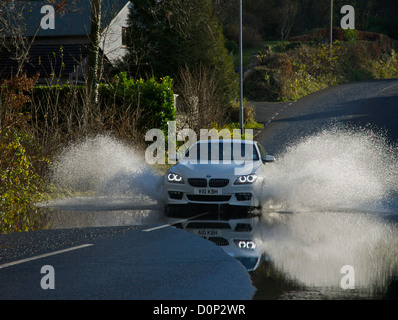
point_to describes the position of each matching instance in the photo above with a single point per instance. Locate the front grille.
(208, 198)
(197, 182)
(219, 241)
(218, 183)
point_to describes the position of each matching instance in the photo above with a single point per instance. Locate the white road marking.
(43, 256)
(168, 224)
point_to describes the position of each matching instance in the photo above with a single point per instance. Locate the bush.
(20, 185)
(350, 35)
(57, 111)
(126, 107)
(271, 79)
(248, 112)
(153, 101)
(232, 46)
(291, 72)
(14, 94)
(386, 66)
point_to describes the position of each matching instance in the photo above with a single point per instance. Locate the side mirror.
(269, 158)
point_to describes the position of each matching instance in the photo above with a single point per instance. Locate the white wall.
(111, 37)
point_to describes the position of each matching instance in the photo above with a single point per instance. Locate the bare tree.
(288, 13)
(200, 103)
(14, 35)
(93, 58)
(12, 30)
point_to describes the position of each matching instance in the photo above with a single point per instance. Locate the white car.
(225, 172)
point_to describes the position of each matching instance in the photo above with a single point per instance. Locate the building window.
(124, 36)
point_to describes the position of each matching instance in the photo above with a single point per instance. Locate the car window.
(263, 153)
(222, 151)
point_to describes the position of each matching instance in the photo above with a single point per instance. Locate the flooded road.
(289, 255)
(328, 226)
(101, 211)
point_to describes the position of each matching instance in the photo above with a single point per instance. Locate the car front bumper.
(236, 195)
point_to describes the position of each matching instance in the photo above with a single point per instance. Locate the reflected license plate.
(207, 232)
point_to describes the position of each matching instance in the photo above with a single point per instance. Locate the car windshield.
(221, 151)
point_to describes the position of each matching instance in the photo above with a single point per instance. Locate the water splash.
(336, 168)
(336, 185)
(108, 167)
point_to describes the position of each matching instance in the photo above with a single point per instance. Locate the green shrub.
(20, 185)
(125, 105)
(350, 35)
(386, 66)
(314, 68)
(152, 100)
(248, 112)
(271, 79)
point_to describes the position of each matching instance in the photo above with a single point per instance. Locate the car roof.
(227, 141)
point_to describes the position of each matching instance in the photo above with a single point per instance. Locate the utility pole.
(241, 66)
(331, 23)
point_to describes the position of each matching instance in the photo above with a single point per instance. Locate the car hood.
(215, 170)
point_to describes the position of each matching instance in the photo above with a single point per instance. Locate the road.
(139, 262)
(120, 263)
(361, 103)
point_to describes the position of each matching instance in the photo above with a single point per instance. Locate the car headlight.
(175, 178)
(245, 244)
(246, 179)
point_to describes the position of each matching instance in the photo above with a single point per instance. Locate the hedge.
(150, 101)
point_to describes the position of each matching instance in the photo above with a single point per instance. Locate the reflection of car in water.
(221, 172)
(235, 236)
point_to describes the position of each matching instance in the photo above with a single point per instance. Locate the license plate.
(205, 191)
(207, 232)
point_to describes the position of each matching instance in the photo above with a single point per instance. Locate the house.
(61, 32)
